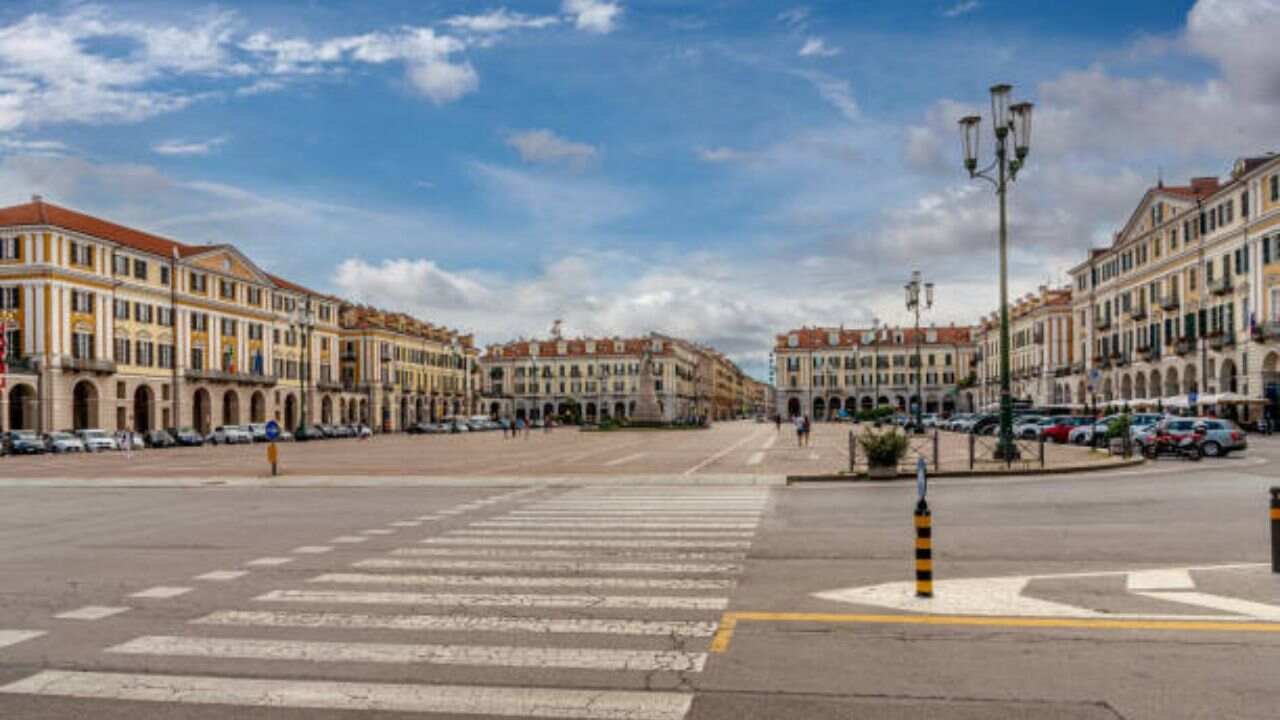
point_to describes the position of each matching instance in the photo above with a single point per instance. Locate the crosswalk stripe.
(634, 602)
(349, 539)
(329, 695)
(549, 566)
(222, 575)
(377, 531)
(606, 533)
(91, 612)
(312, 549)
(625, 459)
(527, 581)
(589, 542)
(161, 592)
(461, 623)
(656, 506)
(623, 524)
(426, 654)
(406, 523)
(270, 561)
(518, 552)
(13, 637)
(647, 513)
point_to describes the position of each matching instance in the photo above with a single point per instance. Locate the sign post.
(273, 453)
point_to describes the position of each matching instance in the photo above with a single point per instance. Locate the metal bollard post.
(935, 449)
(924, 550)
(853, 452)
(1275, 529)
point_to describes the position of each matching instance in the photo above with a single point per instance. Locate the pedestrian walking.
(807, 426)
(777, 422)
(798, 421)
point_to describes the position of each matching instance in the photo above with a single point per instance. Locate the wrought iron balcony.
(16, 364)
(1222, 340)
(1062, 371)
(1267, 331)
(1169, 302)
(1220, 285)
(1102, 322)
(92, 365)
(1150, 353)
(329, 385)
(1138, 312)
(1184, 346)
(222, 376)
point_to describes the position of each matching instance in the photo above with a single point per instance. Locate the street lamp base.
(1007, 452)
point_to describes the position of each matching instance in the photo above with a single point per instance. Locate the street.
(600, 600)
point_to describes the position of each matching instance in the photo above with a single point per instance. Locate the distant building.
(822, 371)
(1041, 345)
(596, 378)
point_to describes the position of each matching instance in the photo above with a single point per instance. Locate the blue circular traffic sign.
(273, 430)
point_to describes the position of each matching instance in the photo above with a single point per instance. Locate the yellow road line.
(729, 622)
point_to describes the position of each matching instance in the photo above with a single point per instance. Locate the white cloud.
(500, 20)
(443, 82)
(961, 8)
(405, 283)
(817, 47)
(187, 147)
(795, 17)
(544, 146)
(20, 145)
(595, 16)
(555, 201)
(835, 91)
(721, 154)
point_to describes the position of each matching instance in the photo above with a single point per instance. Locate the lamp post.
(875, 362)
(1011, 123)
(913, 304)
(303, 320)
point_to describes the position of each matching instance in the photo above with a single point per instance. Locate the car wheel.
(1212, 449)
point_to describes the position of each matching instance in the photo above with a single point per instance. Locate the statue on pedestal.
(647, 410)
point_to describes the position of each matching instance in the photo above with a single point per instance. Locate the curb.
(1065, 470)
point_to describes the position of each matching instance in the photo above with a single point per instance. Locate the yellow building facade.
(111, 327)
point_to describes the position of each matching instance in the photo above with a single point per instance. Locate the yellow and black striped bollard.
(1275, 529)
(924, 550)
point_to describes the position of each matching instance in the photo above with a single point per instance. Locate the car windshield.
(61, 436)
(94, 434)
(24, 435)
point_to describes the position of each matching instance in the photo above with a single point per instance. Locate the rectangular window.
(9, 248)
(1275, 188)
(144, 355)
(140, 269)
(227, 289)
(82, 346)
(199, 283)
(81, 254)
(122, 309)
(165, 353)
(119, 265)
(197, 358)
(122, 350)
(164, 275)
(228, 326)
(255, 296)
(1191, 279)
(200, 322)
(12, 342)
(81, 301)
(10, 298)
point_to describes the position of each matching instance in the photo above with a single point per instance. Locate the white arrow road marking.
(13, 637)
(1175, 579)
(1003, 596)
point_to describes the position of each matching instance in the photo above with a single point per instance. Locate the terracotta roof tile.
(39, 212)
(817, 337)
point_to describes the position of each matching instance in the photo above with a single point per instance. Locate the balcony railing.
(222, 376)
(1077, 368)
(15, 364)
(1222, 340)
(1062, 371)
(1220, 285)
(1102, 322)
(1169, 302)
(1267, 331)
(1150, 353)
(88, 365)
(1138, 312)
(1037, 337)
(329, 385)
(1184, 346)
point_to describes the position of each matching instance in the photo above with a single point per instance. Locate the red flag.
(4, 352)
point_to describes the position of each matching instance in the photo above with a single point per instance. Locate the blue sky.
(717, 170)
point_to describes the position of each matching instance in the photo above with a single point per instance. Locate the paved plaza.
(1057, 597)
(741, 449)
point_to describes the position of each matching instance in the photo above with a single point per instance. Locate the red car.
(1059, 431)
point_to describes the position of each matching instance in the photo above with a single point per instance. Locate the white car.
(63, 442)
(97, 440)
(230, 435)
(1083, 435)
(1027, 426)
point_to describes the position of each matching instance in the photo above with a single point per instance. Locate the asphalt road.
(585, 601)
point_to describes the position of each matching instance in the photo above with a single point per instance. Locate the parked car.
(186, 437)
(1083, 435)
(63, 442)
(362, 431)
(258, 431)
(159, 439)
(1060, 430)
(985, 425)
(1027, 426)
(230, 435)
(96, 440)
(308, 433)
(23, 442)
(1221, 437)
(131, 441)
(343, 431)
(420, 428)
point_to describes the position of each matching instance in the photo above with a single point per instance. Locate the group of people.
(802, 425)
(515, 428)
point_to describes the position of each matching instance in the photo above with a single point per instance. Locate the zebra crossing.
(590, 603)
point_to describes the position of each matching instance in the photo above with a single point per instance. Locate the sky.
(719, 170)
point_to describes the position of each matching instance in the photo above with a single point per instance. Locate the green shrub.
(1118, 428)
(883, 448)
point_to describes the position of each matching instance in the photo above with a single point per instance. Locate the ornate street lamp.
(1011, 122)
(914, 304)
(303, 320)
